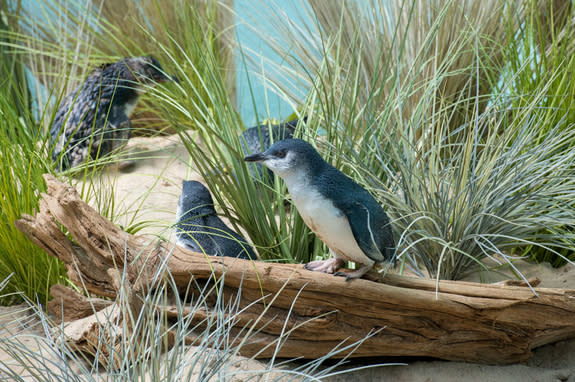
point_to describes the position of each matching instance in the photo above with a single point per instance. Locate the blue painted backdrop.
(267, 103)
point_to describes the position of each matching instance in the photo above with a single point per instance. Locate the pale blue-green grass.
(137, 348)
(410, 100)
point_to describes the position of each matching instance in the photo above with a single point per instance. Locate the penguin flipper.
(370, 233)
(114, 135)
(119, 128)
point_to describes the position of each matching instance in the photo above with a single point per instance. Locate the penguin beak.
(260, 157)
(166, 78)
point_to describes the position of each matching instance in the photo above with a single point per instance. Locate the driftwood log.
(492, 324)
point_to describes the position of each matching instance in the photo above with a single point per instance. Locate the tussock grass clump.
(489, 197)
(411, 99)
(22, 163)
(21, 169)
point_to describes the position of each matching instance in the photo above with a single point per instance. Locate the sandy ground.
(151, 191)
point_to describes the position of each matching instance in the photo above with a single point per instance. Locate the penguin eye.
(281, 154)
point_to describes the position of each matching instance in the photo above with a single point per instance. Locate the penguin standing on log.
(344, 215)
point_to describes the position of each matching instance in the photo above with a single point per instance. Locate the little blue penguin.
(199, 228)
(94, 119)
(259, 138)
(344, 215)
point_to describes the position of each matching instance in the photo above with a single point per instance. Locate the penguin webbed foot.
(325, 266)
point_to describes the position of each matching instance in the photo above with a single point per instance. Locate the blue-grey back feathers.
(199, 228)
(368, 221)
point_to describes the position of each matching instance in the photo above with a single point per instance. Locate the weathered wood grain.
(492, 324)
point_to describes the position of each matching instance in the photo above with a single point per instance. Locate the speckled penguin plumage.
(94, 120)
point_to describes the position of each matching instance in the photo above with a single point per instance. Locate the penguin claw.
(343, 274)
(357, 274)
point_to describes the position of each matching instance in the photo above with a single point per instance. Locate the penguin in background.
(259, 138)
(199, 228)
(94, 119)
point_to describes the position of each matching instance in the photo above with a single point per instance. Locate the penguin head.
(145, 70)
(289, 156)
(148, 70)
(195, 199)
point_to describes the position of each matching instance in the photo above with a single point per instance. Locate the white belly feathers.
(328, 223)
